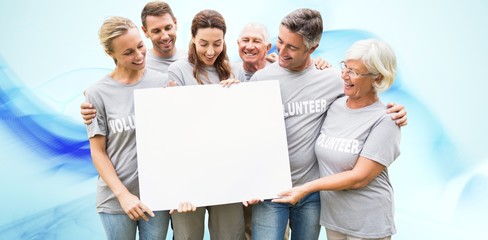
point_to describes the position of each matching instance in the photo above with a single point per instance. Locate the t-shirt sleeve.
(238, 72)
(175, 74)
(164, 79)
(383, 142)
(99, 123)
(241, 76)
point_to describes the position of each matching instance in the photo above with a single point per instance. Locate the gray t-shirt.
(115, 120)
(181, 72)
(306, 96)
(156, 63)
(345, 135)
(238, 68)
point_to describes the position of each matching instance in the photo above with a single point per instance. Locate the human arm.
(252, 201)
(88, 112)
(229, 82)
(184, 207)
(400, 116)
(272, 57)
(375, 151)
(131, 204)
(321, 63)
(363, 172)
(176, 73)
(171, 83)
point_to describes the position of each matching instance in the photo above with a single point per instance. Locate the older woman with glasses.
(357, 143)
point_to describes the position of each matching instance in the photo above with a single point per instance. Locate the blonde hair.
(112, 28)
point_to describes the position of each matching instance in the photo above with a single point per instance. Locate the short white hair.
(260, 27)
(378, 57)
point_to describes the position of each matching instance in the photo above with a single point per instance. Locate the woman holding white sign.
(112, 135)
(207, 63)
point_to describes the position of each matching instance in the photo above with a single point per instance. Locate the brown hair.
(209, 19)
(155, 8)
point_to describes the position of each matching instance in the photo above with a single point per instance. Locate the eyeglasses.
(351, 73)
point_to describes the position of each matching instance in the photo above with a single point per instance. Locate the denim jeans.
(120, 227)
(269, 219)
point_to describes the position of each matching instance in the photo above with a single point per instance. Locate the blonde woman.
(112, 135)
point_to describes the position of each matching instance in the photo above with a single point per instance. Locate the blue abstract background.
(49, 53)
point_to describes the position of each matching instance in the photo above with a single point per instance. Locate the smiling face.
(359, 88)
(162, 32)
(129, 50)
(252, 46)
(209, 43)
(292, 52)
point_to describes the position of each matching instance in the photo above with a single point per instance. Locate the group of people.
(338, 163)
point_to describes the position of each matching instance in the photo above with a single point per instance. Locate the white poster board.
(211, 145)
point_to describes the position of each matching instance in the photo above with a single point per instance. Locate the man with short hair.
(253, 46)
(160, 25)
(306, 94)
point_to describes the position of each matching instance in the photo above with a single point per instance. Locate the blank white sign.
(211, 145)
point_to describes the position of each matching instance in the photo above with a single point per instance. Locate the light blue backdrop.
(49, 53)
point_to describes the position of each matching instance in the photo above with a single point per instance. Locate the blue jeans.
(120, 227)
(269, 219)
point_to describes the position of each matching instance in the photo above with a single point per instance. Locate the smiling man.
(307, 92)
(160, 25)
(300, 83)
(253, 45)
